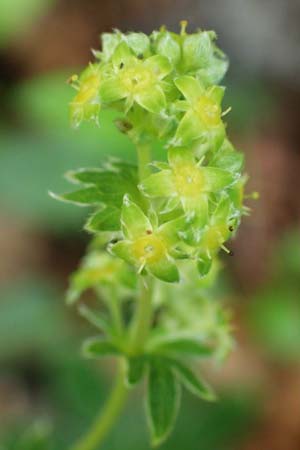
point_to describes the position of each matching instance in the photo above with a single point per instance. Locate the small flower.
(99, 269)
(215, 233)
(187, 182)
(202, 108)
(86, 104)
(148, 246)
(136, 80)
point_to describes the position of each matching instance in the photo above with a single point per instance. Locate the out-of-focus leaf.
(99, 347)
(17, 15)
(163, 398)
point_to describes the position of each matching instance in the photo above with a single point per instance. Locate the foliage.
(158, 225)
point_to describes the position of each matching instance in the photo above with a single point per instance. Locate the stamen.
(183, 25)
(224, 113)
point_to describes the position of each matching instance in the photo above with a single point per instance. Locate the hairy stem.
(143, 316)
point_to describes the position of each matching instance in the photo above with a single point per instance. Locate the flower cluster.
(158, 225)
(165, 87)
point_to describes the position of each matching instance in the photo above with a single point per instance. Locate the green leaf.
(83, 197)
(107, 219)
(183, 345)
(193, 383)
(135, 370)
(163, 400)
(98, 347)
(106, 181)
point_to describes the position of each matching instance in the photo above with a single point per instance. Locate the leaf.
(182, 345)
(107, 181)
(135, 370)
(83, 197)
(192, 382)
(163, 400)
(98, 347)
(107, 219)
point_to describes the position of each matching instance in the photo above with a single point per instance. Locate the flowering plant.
(158, 225)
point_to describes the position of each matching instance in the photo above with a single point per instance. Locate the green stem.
(107, 417)
(140, 327)
(144, 158)
(143, 316)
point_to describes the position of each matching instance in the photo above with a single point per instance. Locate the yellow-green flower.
(86, 104)
(185, 181)
(136, 80)
(146, 245)
(202, 110)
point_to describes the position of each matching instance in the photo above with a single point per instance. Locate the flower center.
(208, 111)
(149, 248)
(189, 180)
(137, 78)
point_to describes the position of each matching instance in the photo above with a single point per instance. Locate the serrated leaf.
(135, 370)
(182, 345)
(83, 197)
(99, 347)
(193, 383)
(107, 219)
(163, 400)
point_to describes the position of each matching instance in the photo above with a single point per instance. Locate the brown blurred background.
(41, 43)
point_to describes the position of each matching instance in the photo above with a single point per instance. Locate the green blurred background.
(48, 394)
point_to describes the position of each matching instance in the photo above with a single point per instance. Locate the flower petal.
(197, 209)
(169, 230)
(158, 185)
(180, 155)
(217, 179)
(190, 128)
(189, 87)
(122, 55)
(122, 249)
(112, 90)
(165, 270)
(159, 64)
(139, 43)
(152, 99)
(133, 220)
(216, 93)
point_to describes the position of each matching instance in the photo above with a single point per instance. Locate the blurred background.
(45, 386)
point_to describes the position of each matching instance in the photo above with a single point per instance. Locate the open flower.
(185, 181)
(136, 80)
(202, 107)
(216, 232)
(86, 104)
(146, 246)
